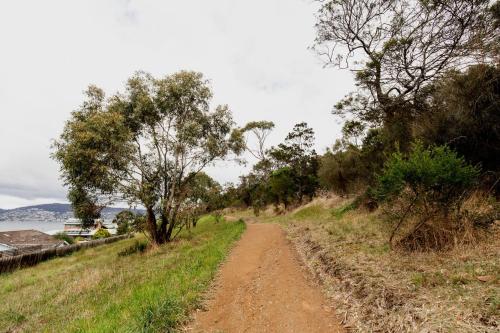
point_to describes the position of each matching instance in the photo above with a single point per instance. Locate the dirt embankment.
(262, 288)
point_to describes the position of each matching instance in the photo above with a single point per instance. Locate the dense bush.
(341, 171)
(101, 233)
(464, 113)
(282, 186)
(425, 191)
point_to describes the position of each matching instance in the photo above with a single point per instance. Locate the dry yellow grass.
(376, 289)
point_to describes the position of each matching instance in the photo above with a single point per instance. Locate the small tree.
(297, 154)
(260, 131)
(124, 220)
(424, 192)
(282, 186)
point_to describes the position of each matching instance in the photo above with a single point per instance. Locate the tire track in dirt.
(261, 288)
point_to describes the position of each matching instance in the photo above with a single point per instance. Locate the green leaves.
(437, 170)
(143, 145)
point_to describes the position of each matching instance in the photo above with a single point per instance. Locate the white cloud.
(254, 52)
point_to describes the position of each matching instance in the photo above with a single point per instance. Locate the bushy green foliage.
(282, 186)
(143, 146)
(101, 233)
(424, 192)
(298, 162)
(287, 174)
(65, 237)
(437, 173)
(341, 171)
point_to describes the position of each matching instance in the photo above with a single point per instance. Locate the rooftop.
(22, 238)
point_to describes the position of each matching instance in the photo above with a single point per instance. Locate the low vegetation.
(101, 233)
(64, 237)
(102, 290)
(378, 289)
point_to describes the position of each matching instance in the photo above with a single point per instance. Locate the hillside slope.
(378, 289)
(99, 290)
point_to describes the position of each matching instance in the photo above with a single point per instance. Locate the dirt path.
(261, 288)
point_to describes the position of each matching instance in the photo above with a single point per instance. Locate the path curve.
(261, 288)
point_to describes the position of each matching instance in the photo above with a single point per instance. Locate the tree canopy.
(145, 145)
(397, 47)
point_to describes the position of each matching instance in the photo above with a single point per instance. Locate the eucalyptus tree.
(398, 47)
(260, 130)
(144, 145)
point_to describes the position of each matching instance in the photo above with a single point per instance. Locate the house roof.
(23, 238)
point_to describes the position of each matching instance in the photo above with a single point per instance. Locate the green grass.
(339, 212)
(310, 212)
(97, 290)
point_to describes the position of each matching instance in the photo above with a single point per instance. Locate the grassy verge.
(98, 290)
(377, 289)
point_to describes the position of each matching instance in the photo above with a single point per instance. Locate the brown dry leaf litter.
(262, 288)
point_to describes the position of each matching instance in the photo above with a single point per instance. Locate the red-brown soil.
(262, 288)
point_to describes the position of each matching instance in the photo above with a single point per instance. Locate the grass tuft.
(339, 212)
(137, 247)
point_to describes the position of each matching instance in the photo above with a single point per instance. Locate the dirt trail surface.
(261, 288)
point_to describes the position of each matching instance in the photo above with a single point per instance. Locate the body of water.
(35, 225)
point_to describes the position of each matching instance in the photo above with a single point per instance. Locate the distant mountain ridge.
(51, 212)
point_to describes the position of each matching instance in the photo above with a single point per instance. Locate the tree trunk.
(151, 225)
(163, 229)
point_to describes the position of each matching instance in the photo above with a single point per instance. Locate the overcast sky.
(254, 52)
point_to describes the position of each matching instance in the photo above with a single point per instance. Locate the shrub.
(101, 233)
(65, 237)
(425, 190)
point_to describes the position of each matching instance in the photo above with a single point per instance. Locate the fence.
(9, 264)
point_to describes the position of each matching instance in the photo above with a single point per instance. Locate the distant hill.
(50, 212)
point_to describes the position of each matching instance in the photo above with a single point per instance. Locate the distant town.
(49, 213)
